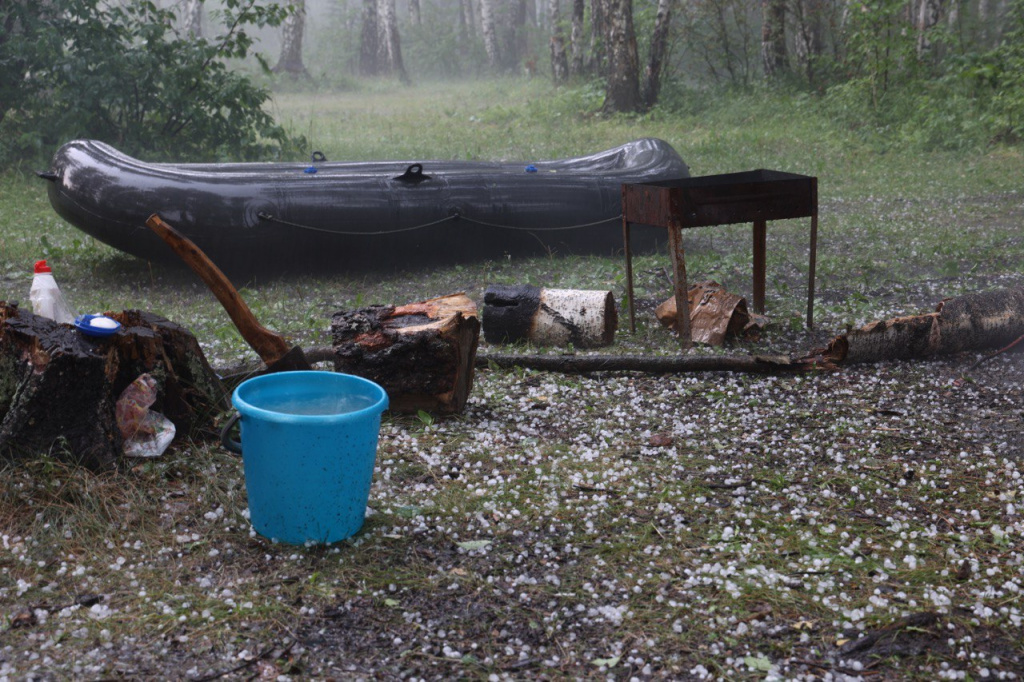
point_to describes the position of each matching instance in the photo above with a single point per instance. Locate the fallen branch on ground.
(1002, 350)
(581, 364)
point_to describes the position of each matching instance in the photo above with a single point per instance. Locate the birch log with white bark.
(549, 317)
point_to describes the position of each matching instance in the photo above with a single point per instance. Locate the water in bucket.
(308, 446)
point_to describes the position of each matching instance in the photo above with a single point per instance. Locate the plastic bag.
(146, 433)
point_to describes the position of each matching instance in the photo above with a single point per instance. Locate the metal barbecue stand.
(752, 196)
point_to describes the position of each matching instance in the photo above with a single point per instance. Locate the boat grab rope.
(268, 217)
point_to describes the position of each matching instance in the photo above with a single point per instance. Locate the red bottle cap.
(42, 267)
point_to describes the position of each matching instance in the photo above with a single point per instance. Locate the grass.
(863, 522)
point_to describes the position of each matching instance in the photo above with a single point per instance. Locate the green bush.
(895, 97)
(121, 73)
(995, 80)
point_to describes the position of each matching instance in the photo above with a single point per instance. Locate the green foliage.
(879, 67)
(880, 48)
(995, 80)
(720, 41)
(435, 48)
(121, 73)
(894, 97)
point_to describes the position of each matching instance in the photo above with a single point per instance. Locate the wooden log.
(549, 317)
(59, 387)
(978, 321)
(422, 353)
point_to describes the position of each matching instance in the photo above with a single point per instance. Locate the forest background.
(191, 79)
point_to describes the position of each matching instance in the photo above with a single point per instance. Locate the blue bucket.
(308, 446)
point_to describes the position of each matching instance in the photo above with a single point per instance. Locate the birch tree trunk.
(415, 16)
(390, 42)
(927, 18)
(773, 37)
(193, 17)
(659, 42)
(467, 9)
(808, 43)
(622, 90)
(576, 38)
(598, 36)
(559, 63)
(369, 44)
(985, 32)
(489, 35)
(517, 35)
(292, 30)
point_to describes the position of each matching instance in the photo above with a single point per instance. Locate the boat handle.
(414, 173)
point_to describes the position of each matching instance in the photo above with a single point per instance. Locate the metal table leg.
(760, 258)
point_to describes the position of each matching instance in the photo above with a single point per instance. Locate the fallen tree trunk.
(59, 387)
(422, 354)
(990, 319)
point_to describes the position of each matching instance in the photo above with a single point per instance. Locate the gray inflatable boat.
(358, 215)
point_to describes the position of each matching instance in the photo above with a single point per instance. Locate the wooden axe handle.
(268, 344)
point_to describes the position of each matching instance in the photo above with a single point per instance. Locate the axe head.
(293, 360)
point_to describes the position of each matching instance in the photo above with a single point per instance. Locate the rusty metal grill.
(752, 196)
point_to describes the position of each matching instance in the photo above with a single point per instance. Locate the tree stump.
(58, 387)
(422, 354)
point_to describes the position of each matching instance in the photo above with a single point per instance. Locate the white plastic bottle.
(47, 301)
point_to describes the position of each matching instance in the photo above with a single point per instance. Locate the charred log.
(422, 354)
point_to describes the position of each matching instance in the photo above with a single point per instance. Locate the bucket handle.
(230, 444)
